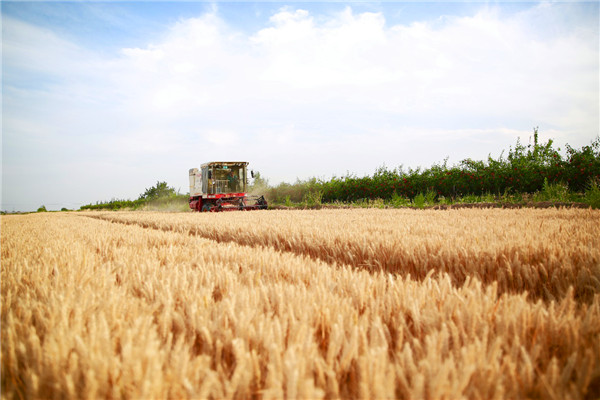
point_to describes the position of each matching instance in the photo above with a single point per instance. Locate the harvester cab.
(222, 186)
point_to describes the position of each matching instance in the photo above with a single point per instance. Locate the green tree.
(42, 209)
(160, 190)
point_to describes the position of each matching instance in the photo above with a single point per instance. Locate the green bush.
(592, 194)
(524, 170)
(399, 201)
(553, 192)
(419, 201)
(159, 196)
(313, 198)
(160, 190)
(115, 204)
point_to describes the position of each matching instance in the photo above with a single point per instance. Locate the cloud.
(306, 94)
(481, 64)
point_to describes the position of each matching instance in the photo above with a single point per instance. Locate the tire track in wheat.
(542, 252)
(92, 309)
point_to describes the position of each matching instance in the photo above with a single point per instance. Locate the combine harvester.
(221, 186)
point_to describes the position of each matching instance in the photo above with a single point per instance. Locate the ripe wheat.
(543, 252)
(96, 309)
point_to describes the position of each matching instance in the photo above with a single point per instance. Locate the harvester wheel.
(206, 207)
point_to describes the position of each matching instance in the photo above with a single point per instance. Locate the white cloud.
(305, 95)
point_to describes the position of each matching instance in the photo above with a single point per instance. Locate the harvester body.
(222, 186)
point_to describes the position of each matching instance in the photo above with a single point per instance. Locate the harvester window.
(226, 179)
(231, 178)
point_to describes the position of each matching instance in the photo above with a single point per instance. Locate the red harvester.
(221, 186)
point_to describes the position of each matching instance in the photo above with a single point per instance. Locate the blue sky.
(100, 100)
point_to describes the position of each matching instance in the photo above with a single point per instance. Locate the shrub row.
(115, 205)
(159, 195)
(524, 171)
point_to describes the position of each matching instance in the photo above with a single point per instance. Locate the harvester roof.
(227, 163)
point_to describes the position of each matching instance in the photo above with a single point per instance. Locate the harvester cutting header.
(222, 186)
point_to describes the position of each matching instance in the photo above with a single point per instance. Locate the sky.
(100, 100)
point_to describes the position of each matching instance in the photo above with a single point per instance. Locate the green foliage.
(445, 200)
(419, 201)
(592, 194)
(115, 204)
(398, 201)
(424, 200)
(430, 197)
(160, 190)
(524, 170)
(553, 192)
(159, 197)
(488, 198)
(42, 209)
(64, 209)
(469, 198)
(313, 198)
(583, 165)
(294, 193)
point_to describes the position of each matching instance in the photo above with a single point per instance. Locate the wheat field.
(301, 304)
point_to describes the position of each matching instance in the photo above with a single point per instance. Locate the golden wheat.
(272, 308)
(543, 252)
